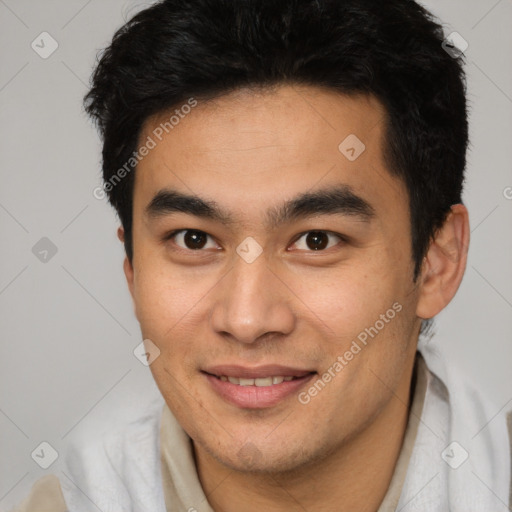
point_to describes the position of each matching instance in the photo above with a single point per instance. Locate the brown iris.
(316, 240)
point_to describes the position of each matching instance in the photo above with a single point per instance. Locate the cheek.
(346, 299)
(163, 296)
(172, 308)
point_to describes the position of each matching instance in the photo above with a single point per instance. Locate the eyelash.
(177, 248)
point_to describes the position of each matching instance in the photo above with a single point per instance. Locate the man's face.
(328, 273)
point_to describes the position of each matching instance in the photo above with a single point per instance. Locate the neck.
(355, 476)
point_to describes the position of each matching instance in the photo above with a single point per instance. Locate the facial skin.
(293, 305)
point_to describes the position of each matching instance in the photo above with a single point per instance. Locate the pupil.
(195, 239)
(316, 240)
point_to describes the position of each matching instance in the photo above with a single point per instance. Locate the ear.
(127, 266)
(444, 264)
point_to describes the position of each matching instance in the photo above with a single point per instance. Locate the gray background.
(67, 324)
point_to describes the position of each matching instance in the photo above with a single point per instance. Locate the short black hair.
(181, 49)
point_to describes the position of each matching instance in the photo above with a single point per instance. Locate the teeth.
(266, 381)
(259, 382)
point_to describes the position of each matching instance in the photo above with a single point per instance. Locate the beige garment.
(45, 496)
(392, 497)
(181, 483)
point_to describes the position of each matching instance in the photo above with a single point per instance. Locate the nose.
(252, 303)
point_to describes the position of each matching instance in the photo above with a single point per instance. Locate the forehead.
(250, 149)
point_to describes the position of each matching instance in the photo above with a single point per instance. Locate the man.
(288, 176)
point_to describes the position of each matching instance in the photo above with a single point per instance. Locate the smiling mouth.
(256, 388)
(262, 382)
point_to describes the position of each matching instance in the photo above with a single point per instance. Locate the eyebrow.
(340, 200)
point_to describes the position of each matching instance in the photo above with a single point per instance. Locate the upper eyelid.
(326, 231)
(172, 234)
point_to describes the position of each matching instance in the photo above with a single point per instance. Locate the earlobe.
(444, 264)
(128, 272)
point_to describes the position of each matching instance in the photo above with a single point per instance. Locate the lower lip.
(256, 397)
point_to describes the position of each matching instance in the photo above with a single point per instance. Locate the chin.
(265, 457)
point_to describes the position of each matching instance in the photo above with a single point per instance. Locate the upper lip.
(255, 372)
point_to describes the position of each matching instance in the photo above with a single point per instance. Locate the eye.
(316, 240)
(191, 239)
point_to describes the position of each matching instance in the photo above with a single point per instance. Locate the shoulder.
(113, 463)
(469, 439)
(119, 466)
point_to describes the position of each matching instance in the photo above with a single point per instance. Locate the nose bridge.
(251, 302)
